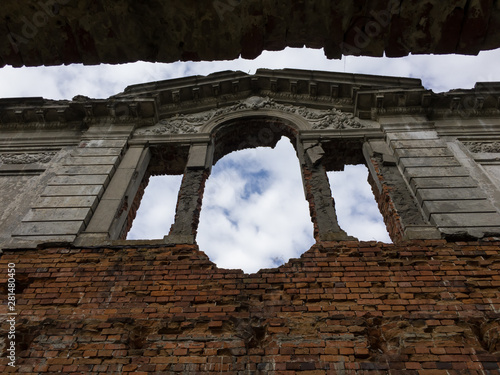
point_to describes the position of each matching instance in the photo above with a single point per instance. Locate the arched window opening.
(250, 132)
(254, 213)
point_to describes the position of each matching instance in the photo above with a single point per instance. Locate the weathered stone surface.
(103, 160)
(462, 206)
(423, 152)
(466, 220)
(26, 158)
(395, 200)
(409, 135)
(417, 232)
(58, 214)
(75, 190)
(167, 31)
(493, 172)
(483, 147)
(49, 228)
(442, 182)
(83, 169)
(18, 194)
(428, 143)
(429, 162)
(104, 215)
(118, 200)
(188, 208)
(468, 232)
(436, 171)
(67, 201)
(198, 157)
(119, 183)
(26, 241)
(98, 179)
(450, 194)
(102, 143)
(96, 151)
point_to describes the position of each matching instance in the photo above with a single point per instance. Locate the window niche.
(153, 208)
(355, 204)
(357, 210)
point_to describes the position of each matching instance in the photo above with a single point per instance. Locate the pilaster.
(189, 201)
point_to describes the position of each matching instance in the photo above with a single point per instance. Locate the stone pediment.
(193, 123)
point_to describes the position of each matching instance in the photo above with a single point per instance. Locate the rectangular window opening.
(156, 212)
(356, 208)
(153, 209)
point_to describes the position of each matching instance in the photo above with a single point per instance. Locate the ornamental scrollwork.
(191, 123)
(26, 158)
(487, 147)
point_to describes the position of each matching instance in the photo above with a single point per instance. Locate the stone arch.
(236, 132)
(295, 121)
(251, 131)
(255, 176)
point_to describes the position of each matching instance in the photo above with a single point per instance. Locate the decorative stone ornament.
(487, 147)
(318, 119)
(26, 158)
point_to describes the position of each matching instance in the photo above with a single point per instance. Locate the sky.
(254, 213)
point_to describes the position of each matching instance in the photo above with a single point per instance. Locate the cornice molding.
(49, 114)
(365, 96)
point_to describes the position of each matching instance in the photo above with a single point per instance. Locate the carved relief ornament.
(487, 147)
(26, 158)
(188, 124)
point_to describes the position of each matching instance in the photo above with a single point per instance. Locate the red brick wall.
(429, 307)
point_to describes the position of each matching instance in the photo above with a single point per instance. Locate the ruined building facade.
(73, 173)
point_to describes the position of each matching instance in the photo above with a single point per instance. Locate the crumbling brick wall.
(422, 307)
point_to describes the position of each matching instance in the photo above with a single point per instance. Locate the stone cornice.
(364, 96)
(319, 89)
(38, 113)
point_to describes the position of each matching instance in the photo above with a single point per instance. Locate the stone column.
(318, 193)
(189, 201)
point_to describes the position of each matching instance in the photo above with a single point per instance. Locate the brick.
(327, 331)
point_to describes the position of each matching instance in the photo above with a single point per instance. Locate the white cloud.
(355, 205)
(440, 73)
(157, 210)
(247, 226)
